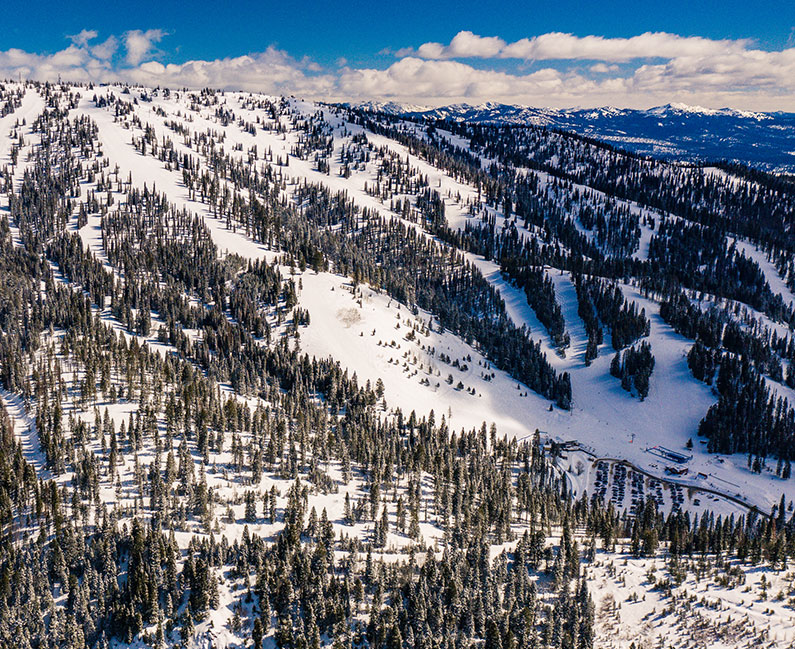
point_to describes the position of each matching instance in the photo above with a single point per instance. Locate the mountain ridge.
(765, 140)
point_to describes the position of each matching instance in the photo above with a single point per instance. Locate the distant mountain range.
(673, 131)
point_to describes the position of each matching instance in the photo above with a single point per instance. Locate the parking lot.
(629, 489)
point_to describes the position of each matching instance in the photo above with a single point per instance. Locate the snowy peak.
(388, 107)
(685, 109)
(671, 131)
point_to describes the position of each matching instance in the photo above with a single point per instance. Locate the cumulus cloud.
(602, 68)
(72, 64)
(642, 71)
(657, 66)
(416, 79)
(465, 44)
(106, 49)
(649, 45)
(560, 46)
(81, 39)
(272, 71)
(754, 81)
(139, 43)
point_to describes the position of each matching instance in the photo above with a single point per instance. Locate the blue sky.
(544, 53)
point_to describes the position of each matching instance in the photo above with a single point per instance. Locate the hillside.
(284, 373)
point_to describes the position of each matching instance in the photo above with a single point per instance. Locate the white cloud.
(602, 68)
(106, 49)
(81, 39)
(435, 81)
(758, 81)
(272, 71)
(560, 46)
(139, 44)
(557, 45)
(465, 44)
(713, 72)
(72, 64)
(696, 71)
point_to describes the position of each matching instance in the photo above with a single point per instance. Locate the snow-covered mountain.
(276, 373)
(673, 131)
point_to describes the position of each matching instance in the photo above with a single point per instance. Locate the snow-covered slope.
(291, 350)
(604, 418)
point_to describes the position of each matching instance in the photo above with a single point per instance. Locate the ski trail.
(117, 144)
(566, 296)
(25, 430)
(776, 282)
(32, 104)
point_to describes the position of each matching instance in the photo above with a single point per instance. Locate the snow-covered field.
(635, 606)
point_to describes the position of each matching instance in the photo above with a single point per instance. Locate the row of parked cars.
(619, 479)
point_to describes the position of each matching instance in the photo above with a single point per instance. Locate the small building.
(673, 470)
